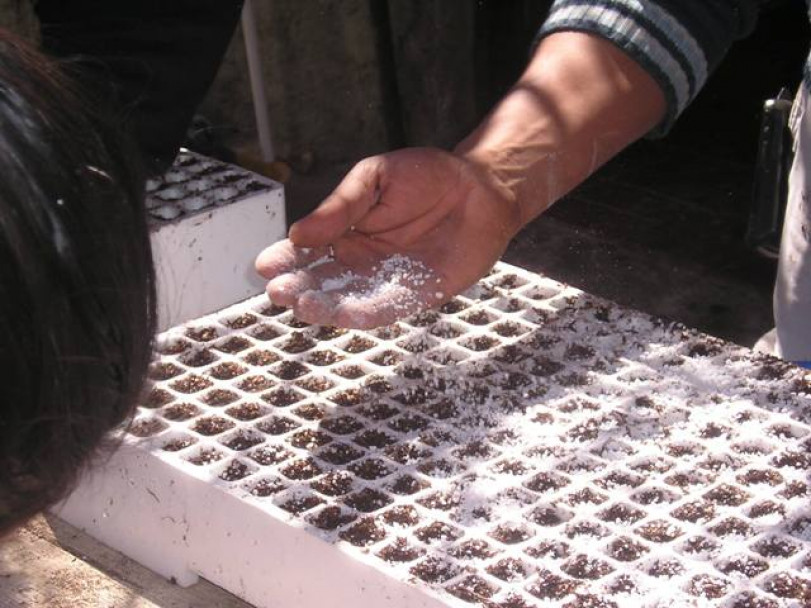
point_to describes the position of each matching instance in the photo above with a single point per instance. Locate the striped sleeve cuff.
(675, 42)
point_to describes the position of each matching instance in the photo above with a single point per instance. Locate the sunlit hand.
(403, 232)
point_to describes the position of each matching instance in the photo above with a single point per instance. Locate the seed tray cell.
(526, 445)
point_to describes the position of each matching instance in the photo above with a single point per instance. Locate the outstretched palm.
(403, 232)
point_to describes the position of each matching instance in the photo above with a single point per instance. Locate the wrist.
(494, 189)
(515, 149)
(579, 102)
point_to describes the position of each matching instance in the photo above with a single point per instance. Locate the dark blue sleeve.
(678, 42)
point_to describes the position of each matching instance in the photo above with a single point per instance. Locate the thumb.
(349, 202)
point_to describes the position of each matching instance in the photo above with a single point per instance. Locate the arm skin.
(579, 102)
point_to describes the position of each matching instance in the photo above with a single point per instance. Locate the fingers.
(349, 202)
(286, 288)
(336, 308)
(283, 256)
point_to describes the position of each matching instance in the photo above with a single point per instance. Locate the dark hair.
(76, 281)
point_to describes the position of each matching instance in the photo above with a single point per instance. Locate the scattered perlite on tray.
(527, 445)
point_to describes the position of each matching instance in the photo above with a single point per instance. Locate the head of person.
(76, 281)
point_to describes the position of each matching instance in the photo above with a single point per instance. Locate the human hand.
(404, 231)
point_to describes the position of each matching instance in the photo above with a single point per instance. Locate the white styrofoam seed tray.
(208, 221)
(529, 445)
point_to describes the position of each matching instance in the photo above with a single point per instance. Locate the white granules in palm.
(397, 282)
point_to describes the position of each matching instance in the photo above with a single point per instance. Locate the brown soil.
(219, 397)
(732, 526)
(324, 357)
(309, 411)
(212, 425)
(315, 384)
(434, 570)
(695, 511)
(399, 552)
(700, 544)
(289, 370)
(350, 372)
(625, 549)
(206, 456)
(437, 532)
(342, 425)
(402, 516)
(227, 370)
(164, 371)
(309, 439)
(370, 469)
(334, 483)
(358, 344)
(277, 425)
(339, 454)
(146, 427)
(349, 397)
(300, 504)
(198, 358)
(282, 397)
(363, 533)
(264, 333)
(546, 481)
(202, 334)
(406, 485)
(254, 384)
(510, 534)
(270, 455)
(191, 383)
(387, 358)
(175, 445)
(552, 586)
(367, 500)
(372, 438)
(236, 470)
(261, 358)
(267, 487)
(747, 565)
(331, 518)
(659, 531)
(243, 440)
(246, 411)
(472, 588)
(585, 567)
(234, 344)
(301, 469)
(242, 321)
(666, 568)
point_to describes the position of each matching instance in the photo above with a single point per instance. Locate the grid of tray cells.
(195, 183)
(526, 445)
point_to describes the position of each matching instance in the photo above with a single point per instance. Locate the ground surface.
(52, 564)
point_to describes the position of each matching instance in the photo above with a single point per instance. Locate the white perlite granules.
(399, 284)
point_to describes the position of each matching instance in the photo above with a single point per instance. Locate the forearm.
(579, 102)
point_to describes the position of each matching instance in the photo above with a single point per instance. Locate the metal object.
(770, 192)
